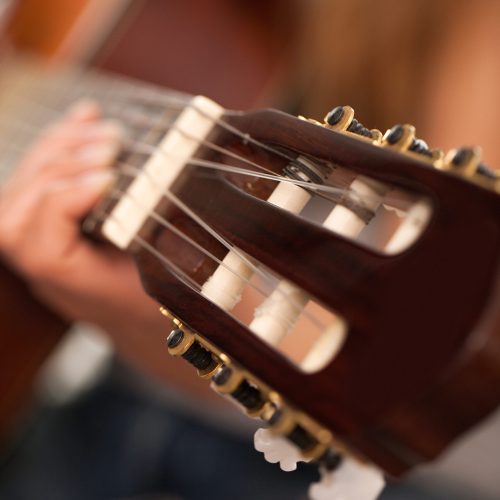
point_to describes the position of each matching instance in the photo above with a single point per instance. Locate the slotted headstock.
(417, 363)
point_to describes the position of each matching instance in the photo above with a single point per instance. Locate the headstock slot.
(330, 185)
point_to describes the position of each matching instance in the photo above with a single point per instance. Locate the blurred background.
(79, 419)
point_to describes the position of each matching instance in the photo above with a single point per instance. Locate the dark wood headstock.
(421, 362)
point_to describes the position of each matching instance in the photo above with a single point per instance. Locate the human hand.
(57, 183)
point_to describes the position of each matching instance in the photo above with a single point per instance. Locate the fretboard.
(32, 96)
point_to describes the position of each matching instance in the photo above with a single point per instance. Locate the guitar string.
(118, 194)
(145, 148)
(256, 270)
(214, 234)
(137, 146)
(265, 275)
(113, 83)
(246, 138)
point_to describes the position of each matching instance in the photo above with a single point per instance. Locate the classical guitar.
(311, 268)
(250, 228)
(339, 284)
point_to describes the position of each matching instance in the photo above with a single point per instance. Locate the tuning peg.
(342, 119)
(466, 161)
(277, 449)
(402, 138)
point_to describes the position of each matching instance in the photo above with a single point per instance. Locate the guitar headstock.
(380, 257)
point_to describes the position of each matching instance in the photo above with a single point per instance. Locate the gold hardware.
(310, 120)
(210, 372)
(399, 138)
(165, 312)
(186, 342)
(273, 401)
(344, 121)
(341, 119)
(467, 164)
(234, 380)
(402, 138)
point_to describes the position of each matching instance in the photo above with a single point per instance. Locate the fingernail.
(98, 153)
(83, 109)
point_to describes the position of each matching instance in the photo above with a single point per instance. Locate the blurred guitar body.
(225, 54)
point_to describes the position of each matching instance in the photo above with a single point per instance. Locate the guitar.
(227, 211)
(384, 431)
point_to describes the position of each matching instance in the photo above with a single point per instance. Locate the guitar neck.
(33, 95)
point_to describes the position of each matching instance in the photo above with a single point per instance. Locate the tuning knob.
(181, 342)
(231, 382)
(467, 162)
(402, 138)
(342, 119)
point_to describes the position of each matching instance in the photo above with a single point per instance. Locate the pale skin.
(57, 183)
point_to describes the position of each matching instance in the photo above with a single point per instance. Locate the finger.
(74, 134)
(48, 233)
(49, 212)
(86, 141)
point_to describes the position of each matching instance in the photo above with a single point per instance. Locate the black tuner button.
(486, 172)
(395, 134)
(222, 376)
(342, 118)
(419, 146)
(462, 157)
(175, 338)
(402, 138)
(334, 116)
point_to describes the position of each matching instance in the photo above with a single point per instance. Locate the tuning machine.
(467, 162)
(402, 138)
(257, 399)
(342, 119)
